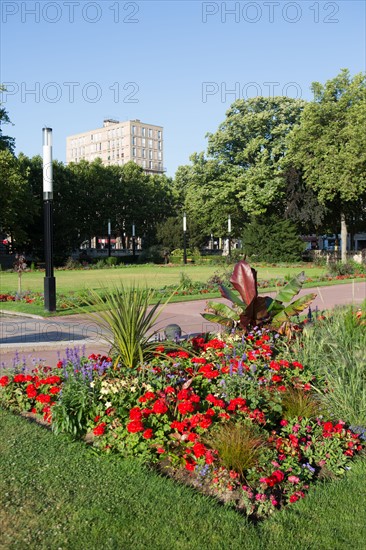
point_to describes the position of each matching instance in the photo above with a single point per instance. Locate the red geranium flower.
(147, 397)
(190, 465)
(100, 429)
(135, 414)
(148, 433)
(199, 449)
(198, 360)
(4, 381)
(19, 378)
(43, 398)
(31, 391)
(183, 394)
(160, 407)
(135, 426)
(185, 407)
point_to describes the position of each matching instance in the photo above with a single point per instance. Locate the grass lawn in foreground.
(55, 494)
(144, 275)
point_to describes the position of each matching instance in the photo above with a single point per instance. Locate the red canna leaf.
(244, 280)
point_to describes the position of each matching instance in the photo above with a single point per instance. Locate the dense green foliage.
(329, 146)
(297, 160)
(87, 195)
(272, 239)
(7, 143)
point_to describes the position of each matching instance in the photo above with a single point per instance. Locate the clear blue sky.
(176, 59)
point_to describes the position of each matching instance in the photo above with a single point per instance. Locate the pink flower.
(293, 479)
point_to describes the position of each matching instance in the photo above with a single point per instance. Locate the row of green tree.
(86, 196)
(279, 158)
(273, 160)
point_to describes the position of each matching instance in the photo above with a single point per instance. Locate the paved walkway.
(45, 338)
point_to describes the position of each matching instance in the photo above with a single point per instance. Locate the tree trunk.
(344, 238)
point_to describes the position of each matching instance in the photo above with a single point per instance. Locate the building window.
(159, 145)
(150, 164)
(150, 143)
(159, 134)
(134, 151)
(150, 154)
(143, 131)
(150, 132)
(144, 163)
(159, 166)
(159, 155)
(133, 130)
(144, 153)
(143, 142)
(134, 141)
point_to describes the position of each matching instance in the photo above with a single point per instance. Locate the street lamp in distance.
(184, 238)
(133, 240)
(49, 280)
(229, 233)
(109, 237)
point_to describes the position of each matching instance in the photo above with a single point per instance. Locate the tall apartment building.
(118, 143)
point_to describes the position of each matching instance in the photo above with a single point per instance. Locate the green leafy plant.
(127, 321)
(72, 411)
(185, 281)
(251, 309)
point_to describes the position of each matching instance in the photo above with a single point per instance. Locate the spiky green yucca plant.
(128, 321)
(239, 446)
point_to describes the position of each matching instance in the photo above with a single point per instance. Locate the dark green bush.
(272, 239)
(154, 254)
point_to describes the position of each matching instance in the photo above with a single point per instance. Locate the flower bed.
(226, 415)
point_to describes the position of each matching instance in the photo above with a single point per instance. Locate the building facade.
(118, 143)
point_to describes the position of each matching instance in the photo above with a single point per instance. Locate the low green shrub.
(111, 261)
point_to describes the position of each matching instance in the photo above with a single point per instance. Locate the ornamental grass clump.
(335, 349)
(239, 446)
(297, 403)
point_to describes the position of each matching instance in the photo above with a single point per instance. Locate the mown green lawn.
(151, 276)
(55, 494)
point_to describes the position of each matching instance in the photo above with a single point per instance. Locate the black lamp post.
(184, 238)
(229, 233)
(49, 280)
(133, 240)
(109, 238)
